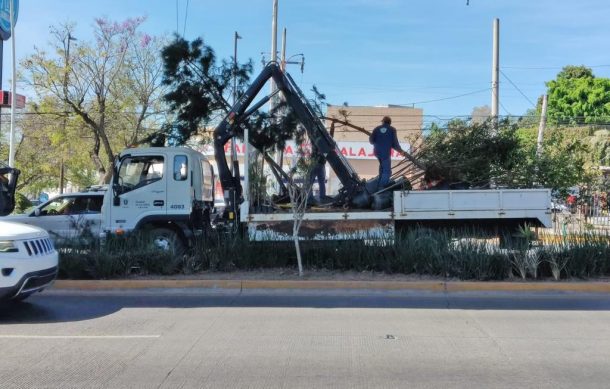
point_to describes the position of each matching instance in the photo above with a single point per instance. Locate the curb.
(433, 286)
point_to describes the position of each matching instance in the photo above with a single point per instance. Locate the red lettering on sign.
(344, 151)
(362, 153)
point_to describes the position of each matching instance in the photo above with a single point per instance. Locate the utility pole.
(283, 60)
(11, 157)
(65, 122)
(542, 126)
(495, 73)
(280, 154)
(273, 102)
(273, 50)
(234, 139)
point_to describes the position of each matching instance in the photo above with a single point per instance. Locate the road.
(293, 339)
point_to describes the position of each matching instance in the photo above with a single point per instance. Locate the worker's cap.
(386, 120)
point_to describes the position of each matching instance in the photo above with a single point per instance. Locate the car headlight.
(8, 246)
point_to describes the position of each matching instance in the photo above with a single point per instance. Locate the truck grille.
(36, 247)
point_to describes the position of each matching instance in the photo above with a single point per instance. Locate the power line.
(186, 12)
(177, 23)
(445, 98)
(517, 88)
(548, 67)
(394, 87)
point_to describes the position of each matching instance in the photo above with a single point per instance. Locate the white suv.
(28, 260)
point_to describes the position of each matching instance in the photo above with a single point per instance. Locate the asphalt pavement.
(197, 338)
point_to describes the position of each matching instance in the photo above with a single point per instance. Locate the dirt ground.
(329, 275)
(293, 274)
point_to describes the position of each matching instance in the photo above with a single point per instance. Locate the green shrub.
(453, 254)
(22, 203)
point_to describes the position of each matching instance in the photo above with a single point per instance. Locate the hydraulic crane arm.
(353, 190)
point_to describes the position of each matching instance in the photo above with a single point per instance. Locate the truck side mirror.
(116, 191)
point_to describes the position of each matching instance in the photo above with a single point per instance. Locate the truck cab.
(167, 190)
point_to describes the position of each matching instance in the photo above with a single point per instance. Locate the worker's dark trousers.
(385, 171)
(319, 173)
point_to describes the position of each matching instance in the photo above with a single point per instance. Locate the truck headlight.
(8, 246)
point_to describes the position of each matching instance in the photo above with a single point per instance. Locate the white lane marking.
(79, 336)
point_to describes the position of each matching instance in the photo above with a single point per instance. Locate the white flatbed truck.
(169, 189)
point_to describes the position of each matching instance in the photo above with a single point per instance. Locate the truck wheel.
(167, 240)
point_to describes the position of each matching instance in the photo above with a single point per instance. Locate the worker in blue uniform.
(384, 139)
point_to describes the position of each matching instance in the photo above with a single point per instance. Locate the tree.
(43, 145)
(531, 118)
(299, 197)
(468, 155)
(572, 71)
(198, 86)
(576, 96)
(111, 84)
(474, 155)
(561, 165)
(480, 114)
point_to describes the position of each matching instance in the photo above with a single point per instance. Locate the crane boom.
(353, 192)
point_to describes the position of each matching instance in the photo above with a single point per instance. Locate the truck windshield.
(138, 171)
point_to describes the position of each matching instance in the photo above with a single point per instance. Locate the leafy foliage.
(473, 154)
(576, 96)
(21, 203)
(200, 88)
(100, 95)
(560, 166)
(470, 155)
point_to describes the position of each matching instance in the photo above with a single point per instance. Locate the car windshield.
(136, 172)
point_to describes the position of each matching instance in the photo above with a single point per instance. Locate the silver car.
(67, 216)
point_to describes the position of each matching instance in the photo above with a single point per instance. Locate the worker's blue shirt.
(384, 139)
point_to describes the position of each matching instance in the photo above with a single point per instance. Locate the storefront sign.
(350, 150)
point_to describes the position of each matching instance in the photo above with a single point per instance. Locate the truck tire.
(167, 240)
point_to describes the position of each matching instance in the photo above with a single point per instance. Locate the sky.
(431, 54)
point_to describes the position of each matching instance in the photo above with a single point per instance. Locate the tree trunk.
(105, 143)
(297, 247)
(95, 154)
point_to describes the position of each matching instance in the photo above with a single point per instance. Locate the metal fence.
(589, 212)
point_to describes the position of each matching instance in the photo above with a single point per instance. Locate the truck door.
(179, 189)
(142, 188)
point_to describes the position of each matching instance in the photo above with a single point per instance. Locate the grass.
(420, 251)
